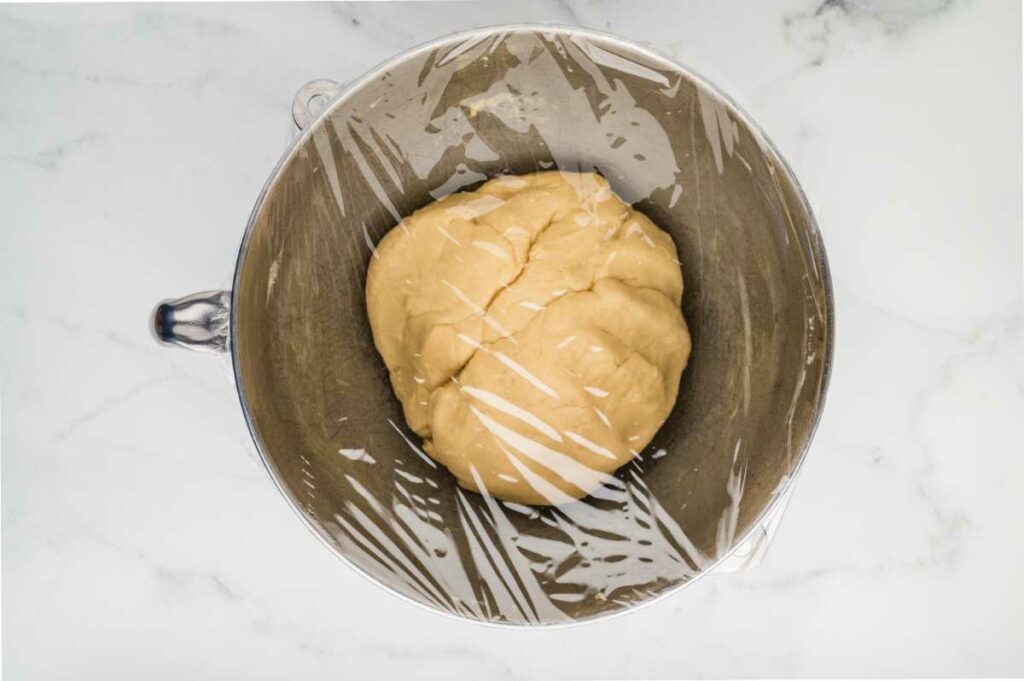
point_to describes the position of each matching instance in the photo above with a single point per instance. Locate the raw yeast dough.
(532, 331)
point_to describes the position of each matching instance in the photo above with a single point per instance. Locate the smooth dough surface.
(533, 333)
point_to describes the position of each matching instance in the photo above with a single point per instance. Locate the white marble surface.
(141, 539)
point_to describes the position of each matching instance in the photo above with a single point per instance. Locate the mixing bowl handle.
(198, 322)
(312, 99)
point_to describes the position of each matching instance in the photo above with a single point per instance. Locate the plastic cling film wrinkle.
(720, 129)
(607, 58)
(726, 536)
(507, 407)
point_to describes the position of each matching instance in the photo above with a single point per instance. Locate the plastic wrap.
(446, 117)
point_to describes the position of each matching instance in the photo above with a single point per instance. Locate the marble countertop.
(142, 538)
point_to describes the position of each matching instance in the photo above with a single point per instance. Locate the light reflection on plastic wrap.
(618, 545)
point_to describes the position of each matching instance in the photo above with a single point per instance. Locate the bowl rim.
(480, 33)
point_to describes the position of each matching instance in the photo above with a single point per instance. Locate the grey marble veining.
(141, 537)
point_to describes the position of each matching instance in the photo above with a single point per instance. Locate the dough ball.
(532, 331)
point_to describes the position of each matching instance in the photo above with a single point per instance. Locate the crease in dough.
(536, 365)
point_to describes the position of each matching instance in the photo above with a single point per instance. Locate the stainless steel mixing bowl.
(518, 99)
